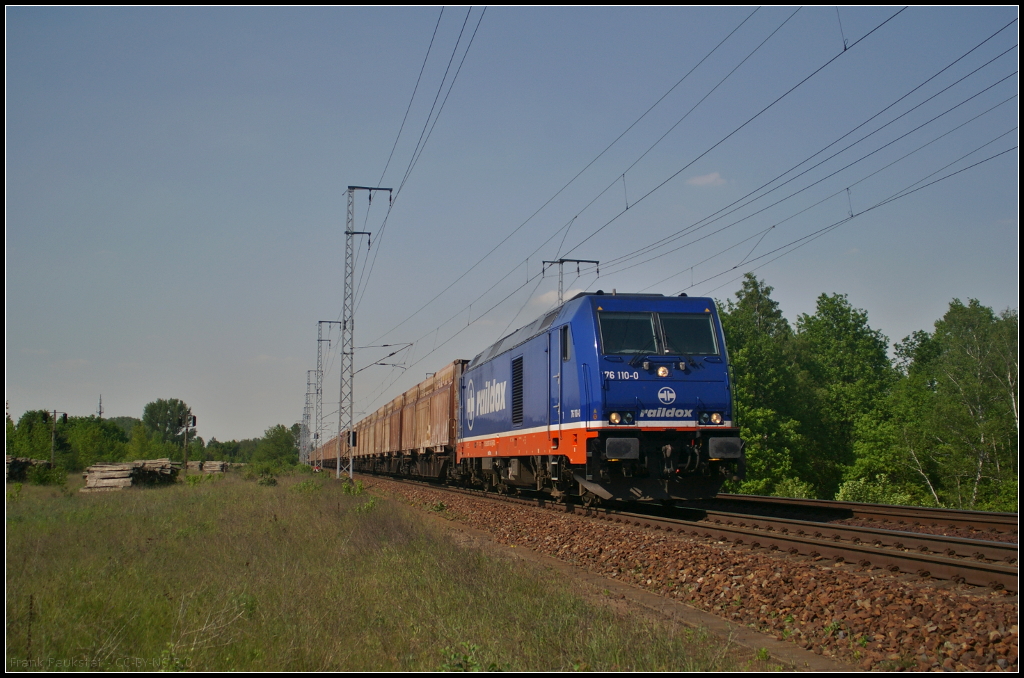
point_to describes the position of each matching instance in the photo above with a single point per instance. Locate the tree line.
(827, 412)
(80, 442)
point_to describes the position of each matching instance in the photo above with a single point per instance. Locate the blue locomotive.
(608, 396)
(623, 396)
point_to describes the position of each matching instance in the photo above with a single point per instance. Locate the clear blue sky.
(176, 182)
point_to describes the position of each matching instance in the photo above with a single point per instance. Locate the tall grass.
(303, 576)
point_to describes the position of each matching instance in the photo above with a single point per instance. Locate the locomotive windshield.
(688, 334)
(628, 333)
(657, 333)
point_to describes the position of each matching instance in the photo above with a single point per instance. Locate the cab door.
(556, 339)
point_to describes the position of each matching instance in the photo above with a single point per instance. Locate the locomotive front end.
(664, 417)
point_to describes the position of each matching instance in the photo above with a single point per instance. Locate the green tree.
(32, 437)
(975, 416)
(10, 433)
(126, 424)
(947, 434)
(166, 418)
(92, 439)
(765, 390)
(847, 376)
(140, 444)
(276, 447)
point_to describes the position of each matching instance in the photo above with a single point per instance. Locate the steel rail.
(978, 549)
(980, 520)
(876, 547)
(997, 575)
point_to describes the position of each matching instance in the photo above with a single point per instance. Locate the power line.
(719, 214)
(570, 182)
(409, 107)
(896, 196)
(793, 88)
(691, 229)
(728, 136)
(829, 197)
(761, 233)
(418, 151)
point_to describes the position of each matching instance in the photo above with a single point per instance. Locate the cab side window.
(565, 338)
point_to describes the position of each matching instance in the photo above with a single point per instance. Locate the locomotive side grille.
(517, 391)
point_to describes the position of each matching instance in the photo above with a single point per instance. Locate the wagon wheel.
(590, 499)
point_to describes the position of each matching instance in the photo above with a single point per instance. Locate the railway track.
(971, 561)
(982, 521)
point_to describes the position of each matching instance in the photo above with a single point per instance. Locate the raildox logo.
(490, 398)
(666, 395)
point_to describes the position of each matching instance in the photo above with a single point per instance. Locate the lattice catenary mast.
(318, 435)
(346, 397)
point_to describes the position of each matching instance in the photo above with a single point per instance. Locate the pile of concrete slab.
(110, 476)
(208, 466)
(16, 467)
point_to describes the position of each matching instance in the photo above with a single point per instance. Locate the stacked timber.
(215, 466)
(195, 466)
(16, 467)
(112, 476)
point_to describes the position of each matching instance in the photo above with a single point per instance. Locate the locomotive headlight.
(663, 371)
(615, 417)
(716, 418)
(628, 418)
(703, 419)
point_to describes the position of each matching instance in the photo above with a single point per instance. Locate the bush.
(309, 486)
(197, 479)
(793, 488)
(877, 491)
(348, 487)
(44, 475)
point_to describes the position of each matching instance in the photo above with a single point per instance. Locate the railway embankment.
(868, 617)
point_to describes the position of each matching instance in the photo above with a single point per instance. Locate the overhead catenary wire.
(822, 231)
(571, 181)
(421, 145)
(650, 192)
(569, 224)
(903, 193)
(611, 269)
(411, 98)
(719, 214)
(737, 129)
(565, 230)
(827, 198)
(789, 91)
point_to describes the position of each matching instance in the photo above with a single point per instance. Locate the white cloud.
(550, 298)
(713, 179)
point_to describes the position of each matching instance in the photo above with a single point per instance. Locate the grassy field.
(301, 576)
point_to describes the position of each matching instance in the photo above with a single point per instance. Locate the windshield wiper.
(639, 357)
